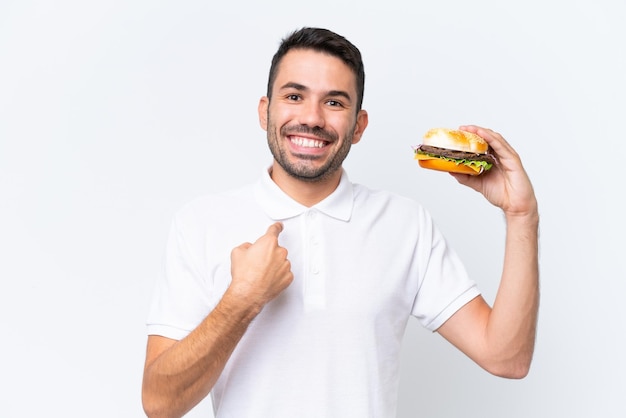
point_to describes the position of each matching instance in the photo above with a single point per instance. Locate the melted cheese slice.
(428, 157)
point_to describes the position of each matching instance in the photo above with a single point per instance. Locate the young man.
(289, 297)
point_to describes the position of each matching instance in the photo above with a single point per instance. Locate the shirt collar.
(279, 206)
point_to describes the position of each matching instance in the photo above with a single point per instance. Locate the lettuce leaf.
(484, 164)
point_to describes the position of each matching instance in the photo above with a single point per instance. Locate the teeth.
(307, 143)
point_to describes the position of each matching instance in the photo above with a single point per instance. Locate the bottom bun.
(449, 166)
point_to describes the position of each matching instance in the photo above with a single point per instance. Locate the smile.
(307, 142)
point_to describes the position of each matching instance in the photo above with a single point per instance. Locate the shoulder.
(386, 200)
(216, 204)
(214, 208)
(393, 212)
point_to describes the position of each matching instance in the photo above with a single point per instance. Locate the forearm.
(182, 375)
(179, 374)
(512, 322)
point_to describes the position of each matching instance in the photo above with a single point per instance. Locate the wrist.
(530, 218)
(238, 307)
(523, 227)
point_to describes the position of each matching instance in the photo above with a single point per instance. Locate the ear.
(362, 120)
(263, 105)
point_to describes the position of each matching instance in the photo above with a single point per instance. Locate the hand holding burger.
(454, 151)
(507, 186)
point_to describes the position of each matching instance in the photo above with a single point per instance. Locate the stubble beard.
(301, 169)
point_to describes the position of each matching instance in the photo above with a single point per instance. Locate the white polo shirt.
(364, 261)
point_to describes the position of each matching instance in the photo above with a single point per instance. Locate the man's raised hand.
(260, 271)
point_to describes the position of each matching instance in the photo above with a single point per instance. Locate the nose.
(312, 115)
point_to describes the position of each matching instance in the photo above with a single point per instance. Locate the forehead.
(315, 70)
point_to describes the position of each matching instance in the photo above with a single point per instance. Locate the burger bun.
(455, 140)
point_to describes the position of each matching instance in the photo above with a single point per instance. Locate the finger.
(472, 182)
(275, 229)
(487, 134)
(496, 141)
(243, 246)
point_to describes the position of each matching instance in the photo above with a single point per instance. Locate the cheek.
(344, 127)
(278, 117)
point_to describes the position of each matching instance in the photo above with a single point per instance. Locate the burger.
(454, 151)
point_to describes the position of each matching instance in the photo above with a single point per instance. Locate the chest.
(341, 269)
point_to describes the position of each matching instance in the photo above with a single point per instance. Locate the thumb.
(243, 246)
(272, 233)
(275, 229)
(472, 182)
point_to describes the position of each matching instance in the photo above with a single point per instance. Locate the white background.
(113, 114)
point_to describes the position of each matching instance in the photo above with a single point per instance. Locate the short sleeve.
(181, 294)
(444, 285)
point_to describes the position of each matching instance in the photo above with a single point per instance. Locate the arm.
(179, 374)
(501, 339)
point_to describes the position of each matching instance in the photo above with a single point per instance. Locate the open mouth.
(307, 142)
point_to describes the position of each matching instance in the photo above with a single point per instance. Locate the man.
(306, 317)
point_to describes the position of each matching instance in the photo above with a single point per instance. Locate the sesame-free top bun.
(455, 140)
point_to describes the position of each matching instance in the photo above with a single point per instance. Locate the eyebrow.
(330, 93)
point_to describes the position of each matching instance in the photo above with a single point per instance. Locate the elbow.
(151, 409)
(515, 372)
(511, 361)
(513, 368)
(154, 406)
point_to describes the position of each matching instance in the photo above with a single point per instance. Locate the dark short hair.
(326, 41)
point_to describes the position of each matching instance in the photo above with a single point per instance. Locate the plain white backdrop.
(114, 114)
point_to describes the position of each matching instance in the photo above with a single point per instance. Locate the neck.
(307, 193)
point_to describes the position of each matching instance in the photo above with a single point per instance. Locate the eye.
(293, 97)
(334, 103)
